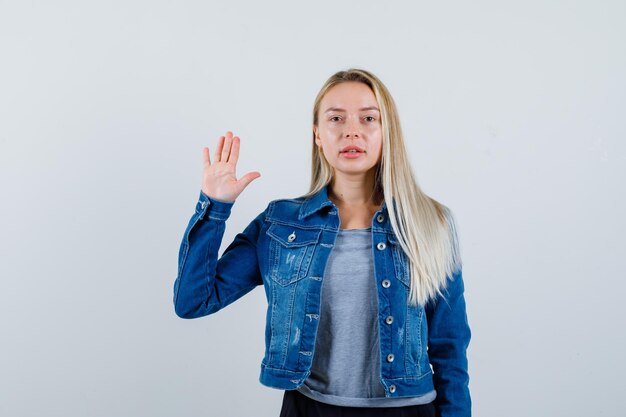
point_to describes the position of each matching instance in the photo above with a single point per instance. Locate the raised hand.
(219, 178)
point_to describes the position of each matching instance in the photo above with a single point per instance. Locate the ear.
(317, 137)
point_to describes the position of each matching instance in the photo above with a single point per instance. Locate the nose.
(352, 129)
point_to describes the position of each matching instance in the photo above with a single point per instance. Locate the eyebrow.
(361, 109)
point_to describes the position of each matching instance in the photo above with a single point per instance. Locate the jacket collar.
(320, 200)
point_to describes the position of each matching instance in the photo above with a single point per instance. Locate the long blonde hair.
(425, 228)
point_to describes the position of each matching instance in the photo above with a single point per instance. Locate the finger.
(218, 149)
(206, 158)
(248, 178)
(226, 149)
(234, 150)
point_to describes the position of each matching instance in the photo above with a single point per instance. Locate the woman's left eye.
(370, 118)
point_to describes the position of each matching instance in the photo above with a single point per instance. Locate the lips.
(352, 149)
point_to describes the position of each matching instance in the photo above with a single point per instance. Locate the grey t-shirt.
(346, 364)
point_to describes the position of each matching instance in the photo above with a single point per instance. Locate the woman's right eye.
(335, 118)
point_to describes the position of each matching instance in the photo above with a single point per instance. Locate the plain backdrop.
(513, 114)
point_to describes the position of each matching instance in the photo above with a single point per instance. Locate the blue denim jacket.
(285, 249)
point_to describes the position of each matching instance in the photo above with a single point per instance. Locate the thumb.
(248, 178)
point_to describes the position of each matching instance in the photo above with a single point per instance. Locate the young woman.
(366, 313)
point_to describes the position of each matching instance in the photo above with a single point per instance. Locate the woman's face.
(349, 117)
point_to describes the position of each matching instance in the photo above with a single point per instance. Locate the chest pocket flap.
(291, 252)
(400, 260)
(293, 237)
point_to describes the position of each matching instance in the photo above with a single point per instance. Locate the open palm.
(219, 178)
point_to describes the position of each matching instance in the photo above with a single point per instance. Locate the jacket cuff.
(213, 208)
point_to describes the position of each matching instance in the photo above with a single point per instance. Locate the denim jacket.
(285, 249)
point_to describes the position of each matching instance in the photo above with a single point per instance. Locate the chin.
(353, 170)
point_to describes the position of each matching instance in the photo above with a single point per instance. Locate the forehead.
(350, 94)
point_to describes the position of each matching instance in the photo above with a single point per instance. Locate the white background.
(513, 114)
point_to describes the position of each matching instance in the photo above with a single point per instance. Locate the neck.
(348, 192)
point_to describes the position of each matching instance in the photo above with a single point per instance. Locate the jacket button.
(380, 218)
(386, 283)
(392, 388)
(389, 319)
(292, 237)
(381, 245)
(390, 357)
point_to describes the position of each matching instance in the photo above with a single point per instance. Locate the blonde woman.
(366, 311)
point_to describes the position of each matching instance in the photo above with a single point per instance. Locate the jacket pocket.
(400, 261)
(291, 252)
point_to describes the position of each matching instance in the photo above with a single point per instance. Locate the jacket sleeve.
(448, 338)
(206, 284)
